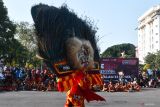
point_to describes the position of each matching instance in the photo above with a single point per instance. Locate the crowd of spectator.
(146, 79)
(121, 87)
(17, 78)
(149, 78)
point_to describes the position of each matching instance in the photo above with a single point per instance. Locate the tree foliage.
(116, 50)
(7, 31)
(153, 59)
(157, 60)
(25, 34)
(17, 54)
(10, 49)
(16, 51)
(150, 59)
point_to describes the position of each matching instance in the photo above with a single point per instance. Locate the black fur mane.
(54, 26)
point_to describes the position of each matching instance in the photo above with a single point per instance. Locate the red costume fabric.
(81, 91)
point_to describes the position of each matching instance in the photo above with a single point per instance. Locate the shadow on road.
(150, 89)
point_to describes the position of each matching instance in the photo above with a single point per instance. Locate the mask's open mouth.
(84, 63)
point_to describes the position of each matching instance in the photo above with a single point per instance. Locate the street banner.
(113, 69)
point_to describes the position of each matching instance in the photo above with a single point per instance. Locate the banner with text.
(112, 69)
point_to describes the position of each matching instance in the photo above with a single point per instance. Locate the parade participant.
(125, 88)
(116, 87)
(129, 86)
(121, 87)
(68, 46)
(110, 87)
(105, 87)
(136, 87)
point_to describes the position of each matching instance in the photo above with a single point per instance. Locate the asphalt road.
(145, 98)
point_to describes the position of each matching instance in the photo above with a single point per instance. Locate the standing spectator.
(18, 78)
(8, 79)
(29, 74)
(154, 78)
(1, 70)
(158, 73)
(150, 73)
(140, 79)
(158, 77)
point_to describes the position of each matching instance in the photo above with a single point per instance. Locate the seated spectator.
(2, 76)
(136, 87)
(125, 88)
(104, 87)
(116, 87)
(129, 86)
(110, 87)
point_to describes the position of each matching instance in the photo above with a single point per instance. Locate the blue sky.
(116, 19)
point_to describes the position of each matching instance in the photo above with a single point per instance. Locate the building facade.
(148, 33)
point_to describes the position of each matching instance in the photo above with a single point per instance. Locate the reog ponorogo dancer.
(67, 45)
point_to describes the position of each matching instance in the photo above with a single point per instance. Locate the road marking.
(149, 104)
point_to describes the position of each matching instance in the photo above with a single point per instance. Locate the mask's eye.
(86, 51)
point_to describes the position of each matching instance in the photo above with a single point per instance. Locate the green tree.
(25, 34)
(17, 54)
(157, 60)
(7, 31)
(150, 59)
(116, 50)
(16, 51)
